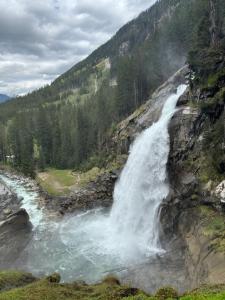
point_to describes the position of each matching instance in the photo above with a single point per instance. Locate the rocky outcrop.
(96, 194)
(99, 193)
(193, 212)
(9, 202)
(204, 260)
(143, 117)
(15, 233)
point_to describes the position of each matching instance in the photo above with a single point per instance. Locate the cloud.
(41, 39)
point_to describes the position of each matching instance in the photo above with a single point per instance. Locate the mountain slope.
(3, 98)
(71, 119)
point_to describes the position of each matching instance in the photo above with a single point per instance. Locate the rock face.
(97, 193)
(220, 191)
(9, 202)
(193, 211)
(15, 233)
(145, 116)
(204, 261)
(100, 192)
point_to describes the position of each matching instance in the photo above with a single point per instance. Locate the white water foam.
(90, 245)
(29, 198)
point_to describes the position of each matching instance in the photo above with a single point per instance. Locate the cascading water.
(142, 185)
(89, 245)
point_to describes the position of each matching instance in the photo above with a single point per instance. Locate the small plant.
(111, 280)
(166, 293)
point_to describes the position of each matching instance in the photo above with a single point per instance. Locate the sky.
(41, 39)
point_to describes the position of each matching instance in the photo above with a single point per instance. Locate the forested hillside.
(65, 124)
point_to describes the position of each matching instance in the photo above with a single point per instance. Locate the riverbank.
(9, 201)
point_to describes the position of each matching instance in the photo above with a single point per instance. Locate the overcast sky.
(41, 39)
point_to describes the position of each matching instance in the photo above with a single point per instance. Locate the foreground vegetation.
(22, 286)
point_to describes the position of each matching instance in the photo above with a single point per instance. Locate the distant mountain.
(4, 98)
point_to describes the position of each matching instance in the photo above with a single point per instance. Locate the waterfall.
(142, 186)
(90, 245)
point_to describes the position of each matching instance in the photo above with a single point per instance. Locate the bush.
(166, 293)
(111, 280)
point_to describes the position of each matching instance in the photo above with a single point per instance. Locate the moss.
(194, 197)
(214, 78)
(206, 292)
(111, 280)
(54, 278)
(213, 226)
(209, 105)
(140, 297)
(49, 288)
(166, 293)
(13, 279)
(45, 289)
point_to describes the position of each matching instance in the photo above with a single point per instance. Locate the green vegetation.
(50, 288)
(216, 292)
(213, 226)
(166, 293)
(58, 182)
(13, 279)
(61, 182)
(63, 125)
(209, 160)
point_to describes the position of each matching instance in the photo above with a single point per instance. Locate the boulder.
(220, 191)
(15, 233)
(7, 211)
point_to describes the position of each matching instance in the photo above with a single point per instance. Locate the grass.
(64, 177)
(61, 182)
(109, 289)
(215, 292)
(45, 289)
(12, 279)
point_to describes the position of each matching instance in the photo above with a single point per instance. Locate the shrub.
(166, 293)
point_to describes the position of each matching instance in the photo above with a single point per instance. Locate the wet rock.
(144, 117)
(15, 233)
(96, 194)
(9, 202)
(220, 191)
(20, 199)
(7, 211)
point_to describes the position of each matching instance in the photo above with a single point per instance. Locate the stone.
(15, 233)
(220, 191)
(7, 211)
(20, 199)
(209, 186)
